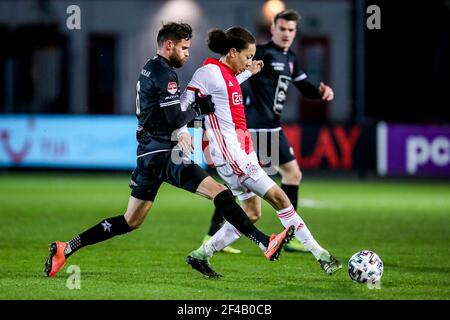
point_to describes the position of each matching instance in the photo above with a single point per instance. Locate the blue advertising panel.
(79, 142)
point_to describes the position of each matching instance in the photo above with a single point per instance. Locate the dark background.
(408, 64)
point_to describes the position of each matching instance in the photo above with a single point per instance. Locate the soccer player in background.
(264, 102)
(231, 148)
(162, 123)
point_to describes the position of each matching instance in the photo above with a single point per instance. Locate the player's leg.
(228, 234)
(275, 153)
(224, 201)
(289, 216)
(252, 208)
(217, 222)
(144, 189)
(288, 167)
(290, 179)
(191, 177)
(265, 187)
(104, 230)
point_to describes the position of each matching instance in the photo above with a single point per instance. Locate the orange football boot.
(56, 260)
(277, 242)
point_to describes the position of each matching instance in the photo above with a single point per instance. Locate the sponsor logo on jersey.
(237, 98)
(172, 87)
(278, 66)
(230, 84)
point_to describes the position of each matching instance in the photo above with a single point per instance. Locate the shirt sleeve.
(203, 80)
(308, 90)
(170, 101)
(298, 74)
(170, 93)
(243, 76)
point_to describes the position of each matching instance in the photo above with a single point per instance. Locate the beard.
(176, 61)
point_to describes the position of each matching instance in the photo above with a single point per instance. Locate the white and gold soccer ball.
(365, 266)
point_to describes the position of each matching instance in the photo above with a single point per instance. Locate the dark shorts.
(154, 169)
(268, 142)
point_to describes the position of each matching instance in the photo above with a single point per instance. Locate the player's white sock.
(221, 239)
(289, 216)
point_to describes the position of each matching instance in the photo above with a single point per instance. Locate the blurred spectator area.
(47, 68)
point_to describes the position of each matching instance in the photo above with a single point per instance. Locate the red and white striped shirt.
(226, 128)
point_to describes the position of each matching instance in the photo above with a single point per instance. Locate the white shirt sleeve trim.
(165, 104)
(243, 76)
(301, 77)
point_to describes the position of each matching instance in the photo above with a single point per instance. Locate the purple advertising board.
(413, 150)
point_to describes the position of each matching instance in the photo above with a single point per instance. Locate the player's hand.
(326, 92)
(203, 104)
(185, 143)
(256, 66)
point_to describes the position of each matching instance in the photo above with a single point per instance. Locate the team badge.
(172, 87)
(251, 169)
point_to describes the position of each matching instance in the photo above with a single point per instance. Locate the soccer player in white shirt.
(231, 148)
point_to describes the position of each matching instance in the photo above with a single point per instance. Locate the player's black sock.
(216, 222)
(292, 193)
(234, 214)
(102, 231)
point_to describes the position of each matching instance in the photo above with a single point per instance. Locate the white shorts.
(254, 181)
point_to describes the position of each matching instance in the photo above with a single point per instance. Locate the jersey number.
(138, 103)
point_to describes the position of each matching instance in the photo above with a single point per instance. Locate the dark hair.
(220, 41)
(289, 15)
(174, 31)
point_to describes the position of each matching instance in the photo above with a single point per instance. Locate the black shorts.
(267, 142)
(154, 169)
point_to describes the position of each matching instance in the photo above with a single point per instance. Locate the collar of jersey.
(220, 64)
(273, 45)
(164, 59)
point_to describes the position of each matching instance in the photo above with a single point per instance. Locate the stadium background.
(376, 160)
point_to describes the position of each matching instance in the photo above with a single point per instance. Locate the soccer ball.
(365, 266)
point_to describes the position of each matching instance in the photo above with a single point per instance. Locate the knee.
(298, 176)
(254, 215)
(279, 199)
(216, 189)
(293, 177)
(133, 222)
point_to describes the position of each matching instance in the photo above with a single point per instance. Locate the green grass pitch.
(406, 222)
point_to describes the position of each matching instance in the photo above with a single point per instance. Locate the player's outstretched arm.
(310, 91)
(255, 68)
